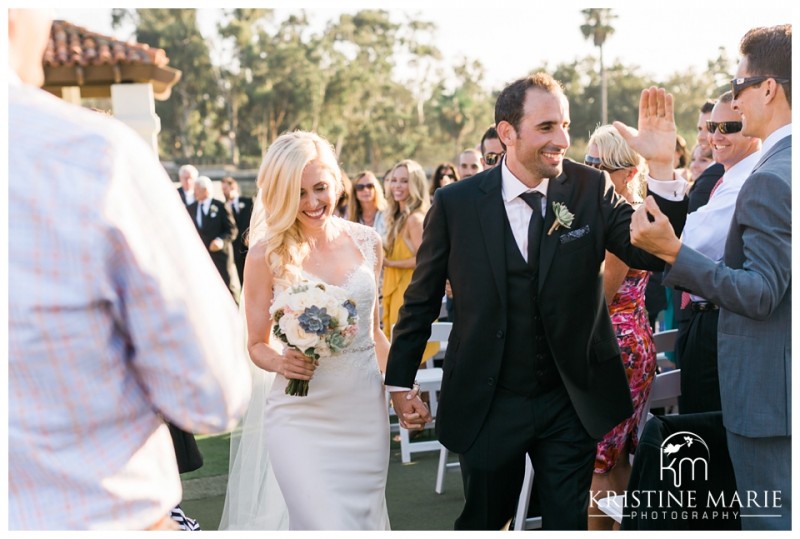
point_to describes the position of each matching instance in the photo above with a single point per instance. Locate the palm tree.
(598, 28)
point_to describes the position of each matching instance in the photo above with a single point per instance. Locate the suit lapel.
(491, 218)
(557, 191)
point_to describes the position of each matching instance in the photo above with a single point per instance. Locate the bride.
(317, 462)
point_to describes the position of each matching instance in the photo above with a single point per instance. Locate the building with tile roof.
(79, 63)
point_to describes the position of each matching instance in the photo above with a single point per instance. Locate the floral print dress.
(635, 340)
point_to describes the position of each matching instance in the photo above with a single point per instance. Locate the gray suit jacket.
(753, 288)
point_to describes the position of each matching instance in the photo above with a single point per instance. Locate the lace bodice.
(360, 287)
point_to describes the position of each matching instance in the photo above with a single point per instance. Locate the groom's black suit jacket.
(463, 242)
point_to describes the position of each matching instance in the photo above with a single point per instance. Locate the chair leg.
(441, 470)
(405, 449)
(521, 520)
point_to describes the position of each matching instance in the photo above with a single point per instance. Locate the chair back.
(665, 391)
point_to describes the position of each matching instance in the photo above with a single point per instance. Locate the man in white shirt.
(752, 284)
(706, 231)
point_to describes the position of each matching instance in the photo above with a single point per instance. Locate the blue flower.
(315, 320)
(351, 308)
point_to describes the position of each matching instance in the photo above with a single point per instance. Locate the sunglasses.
(596, 162)
(737, 85)
(492, 158)
(362, 186)
(725, 128)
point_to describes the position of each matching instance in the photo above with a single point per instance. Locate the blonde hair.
(615, 153)
(355, 210)
(417, 200)
(279, 179)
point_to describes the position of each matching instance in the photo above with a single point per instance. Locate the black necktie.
(534, 200)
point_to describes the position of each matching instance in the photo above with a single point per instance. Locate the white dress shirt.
(706, 229)
(518, 212)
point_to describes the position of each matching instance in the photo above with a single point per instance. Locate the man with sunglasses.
(491, 148)
(752, 285)
(706, 231)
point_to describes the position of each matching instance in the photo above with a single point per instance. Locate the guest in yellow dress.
(408, 202)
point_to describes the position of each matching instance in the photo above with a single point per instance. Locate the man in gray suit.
(752, 285)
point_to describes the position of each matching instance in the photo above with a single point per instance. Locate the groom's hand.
(411, 411)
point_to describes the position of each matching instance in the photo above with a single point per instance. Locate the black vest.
(528, 365)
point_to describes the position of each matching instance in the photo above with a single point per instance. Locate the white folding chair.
(665, 342)
(430, 381)
(521, 520)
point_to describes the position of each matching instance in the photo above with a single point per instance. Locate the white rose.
(279, 302)
(296, 335)
(341, 315)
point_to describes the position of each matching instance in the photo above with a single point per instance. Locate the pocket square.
(574, 234)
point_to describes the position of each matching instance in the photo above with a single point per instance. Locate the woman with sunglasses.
(445, 174)
(368, 202)
(625, 291)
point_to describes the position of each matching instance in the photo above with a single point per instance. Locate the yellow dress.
(395, 282)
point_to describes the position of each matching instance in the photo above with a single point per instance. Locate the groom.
(532, 365)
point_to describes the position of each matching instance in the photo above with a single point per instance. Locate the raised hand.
(657, 133)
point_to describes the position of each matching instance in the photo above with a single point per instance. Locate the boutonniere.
(213, 211)
(241, 205)
(564, 217)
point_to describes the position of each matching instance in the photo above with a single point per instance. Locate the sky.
(511, 38)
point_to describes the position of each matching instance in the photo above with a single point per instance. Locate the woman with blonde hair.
(408, 203)
(624, 291)
(325, 454)
(368, 203)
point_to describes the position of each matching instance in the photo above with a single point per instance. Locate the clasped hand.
(411, 411)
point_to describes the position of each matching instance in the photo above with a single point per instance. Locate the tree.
(598, 27)
(189, 118)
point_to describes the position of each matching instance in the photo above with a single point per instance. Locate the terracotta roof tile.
(72, 45)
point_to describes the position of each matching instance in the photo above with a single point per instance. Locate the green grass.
(412, 503)
(216, 453)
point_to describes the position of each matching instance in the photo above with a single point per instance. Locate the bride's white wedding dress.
(329, 451)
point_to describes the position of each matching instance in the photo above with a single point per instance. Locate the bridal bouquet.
(317, 319)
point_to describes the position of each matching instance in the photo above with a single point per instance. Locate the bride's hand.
(294, 365)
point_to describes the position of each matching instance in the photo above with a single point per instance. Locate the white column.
(133, 104)
(71, 94)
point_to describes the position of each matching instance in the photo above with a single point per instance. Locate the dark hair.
(490, 133)
(769, 53)
(511, 101)
(708, 106)
(727, 97)
(436, 182)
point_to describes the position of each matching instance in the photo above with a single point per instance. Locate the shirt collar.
(774, 137)
(513, 188)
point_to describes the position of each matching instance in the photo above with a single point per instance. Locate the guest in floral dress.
(624, 289)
